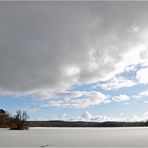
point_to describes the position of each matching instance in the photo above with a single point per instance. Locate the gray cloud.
(57, 44)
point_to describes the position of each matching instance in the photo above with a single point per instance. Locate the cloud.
(143, 117)
(144, 93)
(58, 45)
(54, 45)
(142, 76)
(31, 110)
(66, 95)
(133, 29)
(141, 94)
(146, 101)
(121, 98)
(62, 117)
(77, 99)
(117, 82)
(86, 116)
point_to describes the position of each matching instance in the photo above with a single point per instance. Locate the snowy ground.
(75, 137)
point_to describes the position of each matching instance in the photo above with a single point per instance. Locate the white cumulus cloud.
(121, 98)
(86, 116)
(118, 82)
(141, 94)
(142, 76)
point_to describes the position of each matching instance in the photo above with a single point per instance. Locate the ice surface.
(75, 137)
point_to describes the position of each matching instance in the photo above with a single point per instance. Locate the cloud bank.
(53, 45)
(87, 116)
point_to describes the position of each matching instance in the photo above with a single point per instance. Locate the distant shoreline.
(84, 124)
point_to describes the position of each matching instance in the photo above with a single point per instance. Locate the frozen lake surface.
(75, 137)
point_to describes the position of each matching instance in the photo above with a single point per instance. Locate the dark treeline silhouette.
(84, 124)
(17, 121)
(5, 118)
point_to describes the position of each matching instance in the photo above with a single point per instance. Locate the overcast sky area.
(75, 60)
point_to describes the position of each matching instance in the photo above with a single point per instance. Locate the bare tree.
(20, 118)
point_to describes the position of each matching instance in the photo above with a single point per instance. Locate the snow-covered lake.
(75, 137)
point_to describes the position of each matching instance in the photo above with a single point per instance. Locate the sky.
(75, 61)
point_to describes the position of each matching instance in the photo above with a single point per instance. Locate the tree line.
(57, 123)
(17, 121)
